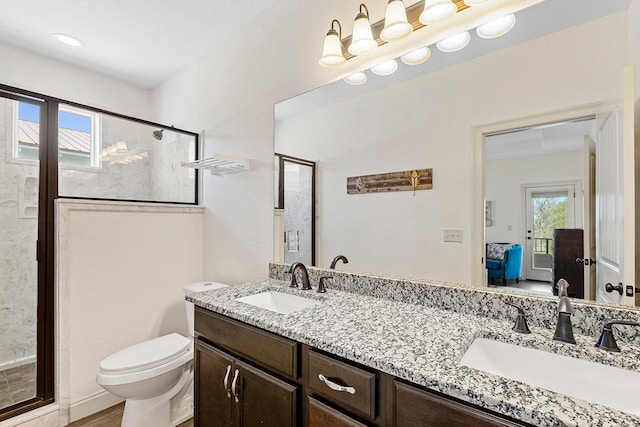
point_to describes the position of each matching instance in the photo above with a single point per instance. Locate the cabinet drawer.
(419, 408)
(266, 349)
(363, 400)
(321, 415)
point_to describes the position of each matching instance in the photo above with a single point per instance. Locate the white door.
(589, 194)
(546, 208)
(615, 200)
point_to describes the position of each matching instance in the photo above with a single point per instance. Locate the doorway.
(547, 208)
(535, 182)
(295, 200)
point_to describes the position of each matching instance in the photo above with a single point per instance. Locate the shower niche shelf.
(220, 164)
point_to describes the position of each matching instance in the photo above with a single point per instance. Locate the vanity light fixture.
(417, 56)
(385, 68)
(396, 26)
(437, 10)
(400, 22)
(68, 40)
(454, 43)
(362, 40)
(497, 27)
(332, 48)
(356, 79)
(472, 3)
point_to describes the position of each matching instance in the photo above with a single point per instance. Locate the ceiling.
(142, 42)
(539, 140)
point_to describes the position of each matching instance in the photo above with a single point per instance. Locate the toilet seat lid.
(147, 354)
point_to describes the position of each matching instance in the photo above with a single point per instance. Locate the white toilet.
(149, 374)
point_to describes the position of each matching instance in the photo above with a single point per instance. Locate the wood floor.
(111, 417)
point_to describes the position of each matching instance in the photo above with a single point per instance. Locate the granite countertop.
(424, 345)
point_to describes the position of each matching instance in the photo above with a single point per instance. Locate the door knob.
(610, 288)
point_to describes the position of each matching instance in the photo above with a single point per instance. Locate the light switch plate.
(453, 236)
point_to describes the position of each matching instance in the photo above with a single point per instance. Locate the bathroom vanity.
(248, 376)
(400, 356)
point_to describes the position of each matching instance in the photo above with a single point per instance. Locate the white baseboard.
(92, 404)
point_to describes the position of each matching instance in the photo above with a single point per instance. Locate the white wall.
(504, 180)
(428, 122)
(230, 92)
(27, 70)
(121, 269)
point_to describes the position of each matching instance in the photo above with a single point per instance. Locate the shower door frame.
(47, 192)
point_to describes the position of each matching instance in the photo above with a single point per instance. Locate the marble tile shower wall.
(170, 180)
(588, 317)
(18, 234)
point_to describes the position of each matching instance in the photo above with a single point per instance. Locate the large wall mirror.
(536, 92)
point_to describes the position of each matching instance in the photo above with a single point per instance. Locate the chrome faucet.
(305, 276)
(564, 328)
(607, 341)
(336, 259)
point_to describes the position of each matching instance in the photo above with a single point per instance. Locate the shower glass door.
(20, 121)
(296, 196)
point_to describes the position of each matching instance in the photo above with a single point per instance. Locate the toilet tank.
(193, 289)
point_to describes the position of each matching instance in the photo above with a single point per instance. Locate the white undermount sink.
(596, 383)
(279, 302)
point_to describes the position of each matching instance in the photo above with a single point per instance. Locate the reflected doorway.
(536, 182)
(295, 210)
(546, 208)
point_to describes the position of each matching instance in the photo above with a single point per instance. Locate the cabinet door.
(264, 399)
(321, 415)
(213, 368)
(419, 408)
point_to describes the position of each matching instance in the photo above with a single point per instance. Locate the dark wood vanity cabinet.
(233, 390)
(245, 376)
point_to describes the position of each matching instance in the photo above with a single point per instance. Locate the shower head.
(157, 134)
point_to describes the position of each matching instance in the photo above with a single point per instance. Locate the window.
(78, 135)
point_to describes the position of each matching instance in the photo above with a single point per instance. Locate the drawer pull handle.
(336, 387)
(226, 381)
(233, 387)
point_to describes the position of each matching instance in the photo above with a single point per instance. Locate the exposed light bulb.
(385, 68)
(437, 10)
(417, 56)
(454, 43)
(497, 27)
(356, 79)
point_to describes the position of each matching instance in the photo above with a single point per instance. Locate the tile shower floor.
(17, 384)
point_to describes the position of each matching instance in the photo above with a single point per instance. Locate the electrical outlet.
(453, 236)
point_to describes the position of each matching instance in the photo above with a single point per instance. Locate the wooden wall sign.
(419, 179)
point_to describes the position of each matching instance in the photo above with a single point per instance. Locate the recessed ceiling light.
(68, 40)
